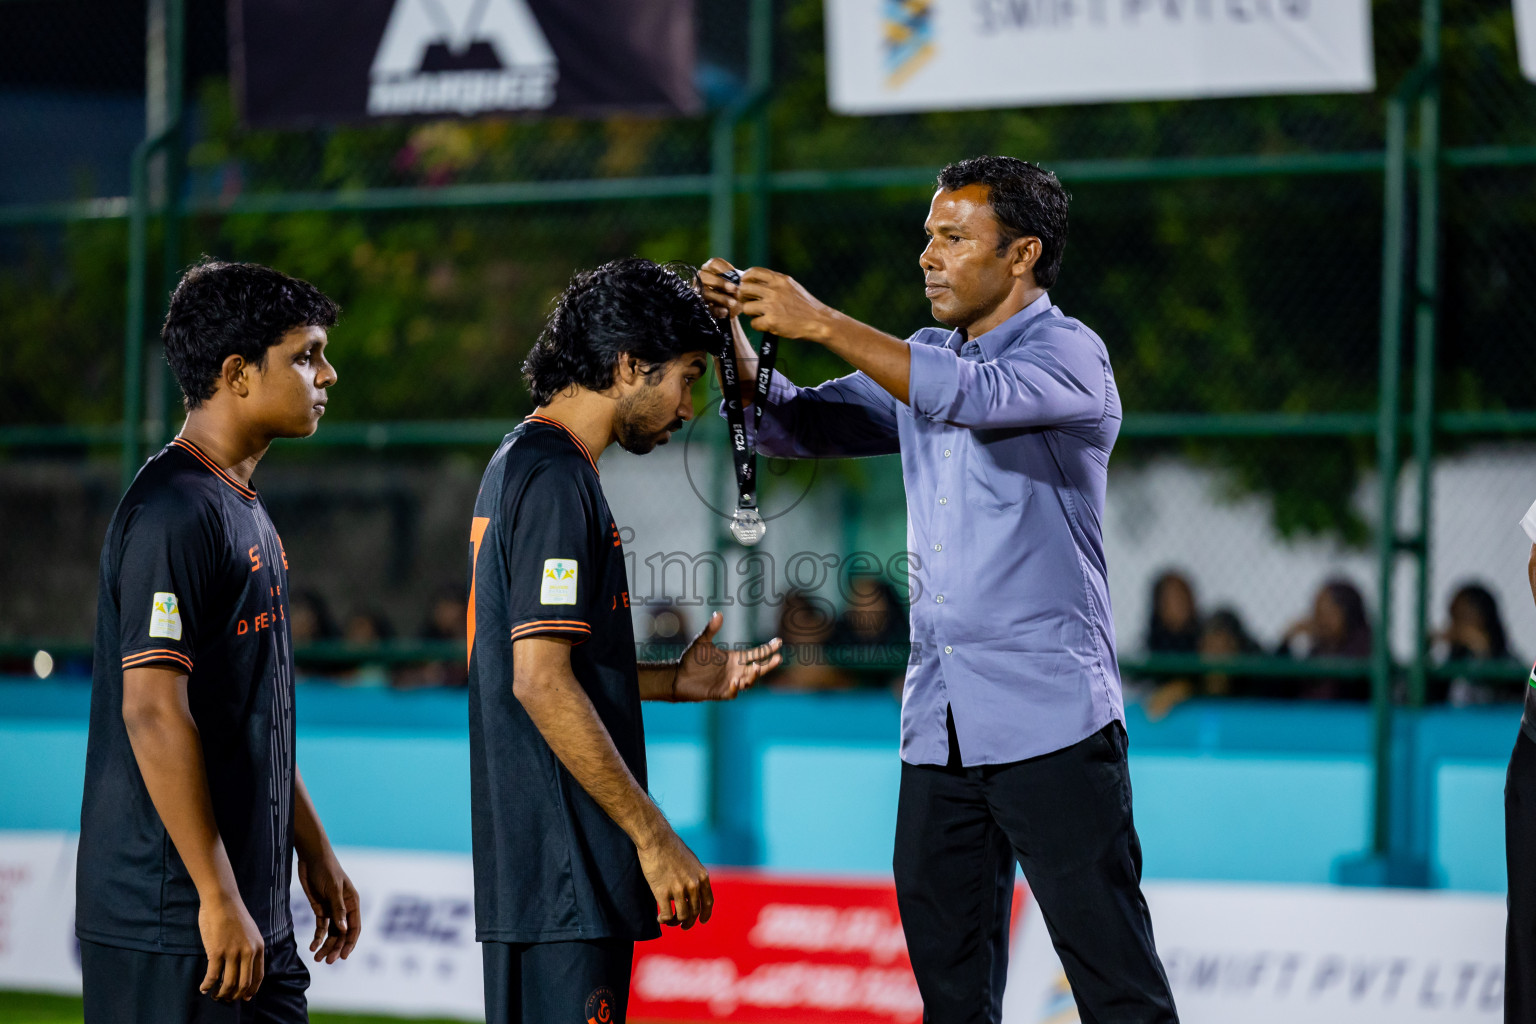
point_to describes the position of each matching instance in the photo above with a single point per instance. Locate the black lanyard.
(747, 524)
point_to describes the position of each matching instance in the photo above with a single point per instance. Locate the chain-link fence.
(1259, 268)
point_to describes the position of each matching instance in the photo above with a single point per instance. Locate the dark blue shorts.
(550, 982)
(130, 986)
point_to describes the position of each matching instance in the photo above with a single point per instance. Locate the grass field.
(35, 1008)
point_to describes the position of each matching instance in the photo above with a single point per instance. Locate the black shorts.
(129, 986)
(550, 982)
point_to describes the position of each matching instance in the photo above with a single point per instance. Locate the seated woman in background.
(447, 617)
(367, 627)
(1337, 628)
(1172, 628)
(1475, 633)
(1225, 636)
(310, 622)
(871, 636)
(805, 626)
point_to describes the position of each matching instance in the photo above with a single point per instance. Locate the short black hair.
(630, 305)
(1027, 200)
(224, 309)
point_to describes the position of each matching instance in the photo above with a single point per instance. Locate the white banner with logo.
(1272, 954)
(37, 912)
(888, 56)
(417, 956)
(1525, 36)
(1235, 954)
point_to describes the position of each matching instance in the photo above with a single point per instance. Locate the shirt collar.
(1007, 332)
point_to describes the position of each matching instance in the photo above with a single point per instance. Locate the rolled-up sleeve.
(849, 416)
(1058, 378)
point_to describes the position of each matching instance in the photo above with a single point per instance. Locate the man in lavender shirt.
(1013, 745)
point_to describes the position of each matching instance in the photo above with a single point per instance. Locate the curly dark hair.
(633, 306)
(1027, 200)
(224, 309)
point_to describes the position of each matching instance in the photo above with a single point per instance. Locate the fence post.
(1427, 281)
(164, 63)
(759, 83)
(175, 165)
(1392, 860)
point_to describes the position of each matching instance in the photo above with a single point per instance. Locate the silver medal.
(747, 526)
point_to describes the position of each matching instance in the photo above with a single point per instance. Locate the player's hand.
(236, 953)
(333, 898)
(677, 879)
(707, 671)
(719, 293)
(775, 303)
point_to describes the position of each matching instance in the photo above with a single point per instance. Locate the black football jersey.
(194, 578)
(545, 560)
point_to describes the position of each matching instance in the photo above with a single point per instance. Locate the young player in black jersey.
(193, 804)
(573, 861)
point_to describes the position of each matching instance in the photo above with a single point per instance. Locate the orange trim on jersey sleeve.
(242, 490)
(551, 626)
(141, 658)
(536, 418)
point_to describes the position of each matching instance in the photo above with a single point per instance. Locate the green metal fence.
(1280, 271)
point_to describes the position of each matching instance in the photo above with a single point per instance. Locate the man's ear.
(235, 376)
(1026, 253)
(628, 369)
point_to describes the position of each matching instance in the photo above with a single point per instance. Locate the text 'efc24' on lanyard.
(747, 524)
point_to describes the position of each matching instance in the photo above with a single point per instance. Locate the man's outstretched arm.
(853, 415)
(169, 752)
(778, 303)
(544, 684)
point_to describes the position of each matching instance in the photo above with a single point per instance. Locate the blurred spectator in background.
(1224, 636)
(1174, 626)
(367, 628)
(1337, 628)
(806, 625)
(309, 619)
(871, 636)
(310, 622)
(447, 622)
(666, 633)
(1475, 633)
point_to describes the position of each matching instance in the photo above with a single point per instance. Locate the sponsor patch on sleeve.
(558, 585)
(165, 617)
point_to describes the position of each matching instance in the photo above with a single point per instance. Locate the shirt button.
(939, 599)
(946, 453)
(943, 501)
(938, 547)
(948, 649)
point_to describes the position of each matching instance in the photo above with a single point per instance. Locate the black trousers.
(128, 986)
(545, 982)
(1520, 862)
(1066, 818)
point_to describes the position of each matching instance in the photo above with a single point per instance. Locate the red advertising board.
(784, 950)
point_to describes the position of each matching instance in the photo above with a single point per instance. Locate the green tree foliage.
(1213, 295)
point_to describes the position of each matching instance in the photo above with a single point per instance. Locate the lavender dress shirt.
(1004, 449)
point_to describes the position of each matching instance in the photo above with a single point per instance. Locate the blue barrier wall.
(1233, 790)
